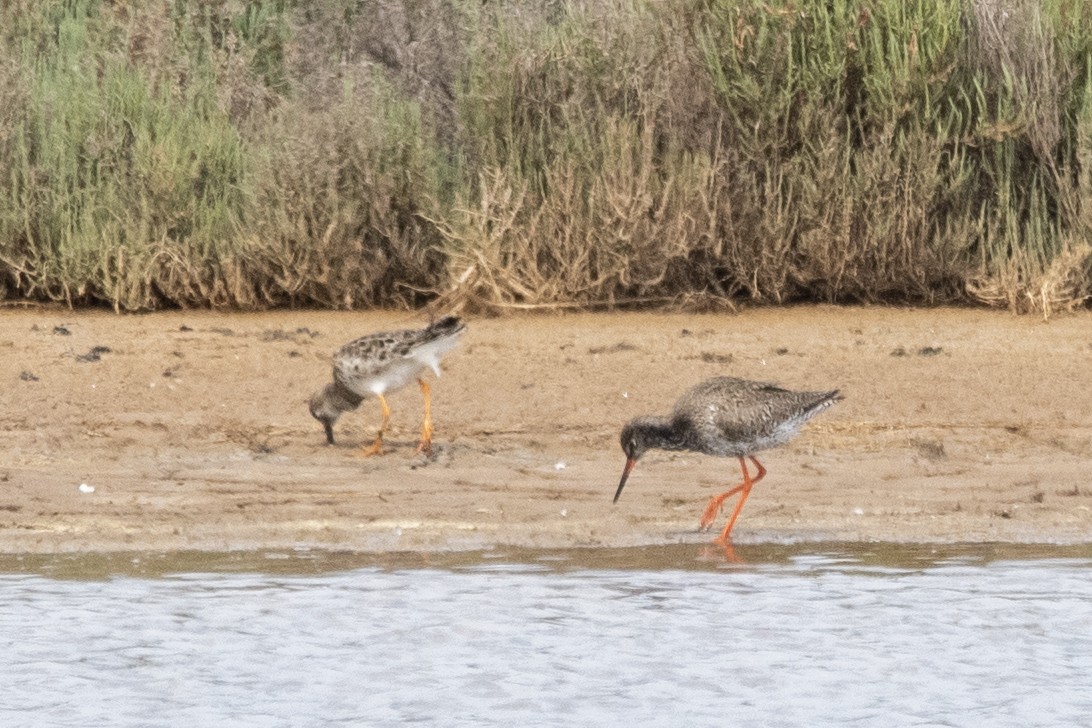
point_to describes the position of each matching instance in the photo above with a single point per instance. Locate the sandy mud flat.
(192, 429)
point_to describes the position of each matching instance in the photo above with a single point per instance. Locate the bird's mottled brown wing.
(369, 355)
(748, 409)
(741, 410)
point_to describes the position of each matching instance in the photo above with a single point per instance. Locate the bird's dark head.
(324, 409)
(637, 438)
(634, 439)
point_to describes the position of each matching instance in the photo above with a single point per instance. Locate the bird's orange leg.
(377, 447)
(711, 510)
(425, 445)
(748, 483)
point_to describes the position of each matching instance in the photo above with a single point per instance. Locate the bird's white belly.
(395, 377)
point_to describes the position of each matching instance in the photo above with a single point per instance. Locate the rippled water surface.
(790, 636)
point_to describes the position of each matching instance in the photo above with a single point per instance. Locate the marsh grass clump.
(1032, 66)
(523, 154)
(583, 191)
(119, 190)
(341, 194)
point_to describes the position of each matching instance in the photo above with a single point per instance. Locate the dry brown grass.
(1063, 286)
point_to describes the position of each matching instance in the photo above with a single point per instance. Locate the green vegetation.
(341, 153)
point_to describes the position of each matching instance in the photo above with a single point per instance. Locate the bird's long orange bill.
(625, 474)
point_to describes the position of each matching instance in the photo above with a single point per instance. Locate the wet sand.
(958, 426)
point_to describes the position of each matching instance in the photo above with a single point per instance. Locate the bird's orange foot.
(710, 513)
(376, 448)
(425, 447)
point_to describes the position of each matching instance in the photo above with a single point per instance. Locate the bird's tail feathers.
(824, 400)
(447, 326)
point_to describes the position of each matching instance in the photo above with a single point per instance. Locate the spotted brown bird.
(385, 362)
(725, 417)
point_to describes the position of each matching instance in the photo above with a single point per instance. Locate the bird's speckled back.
(728, 416)
(387, 360)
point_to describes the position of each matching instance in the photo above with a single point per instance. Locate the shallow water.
(794, 635)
